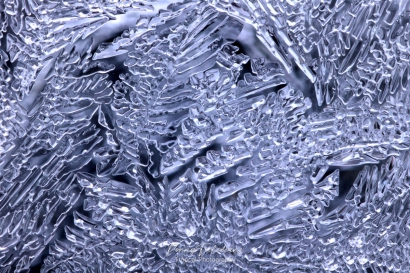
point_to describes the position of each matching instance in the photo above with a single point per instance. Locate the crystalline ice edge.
(173, 134)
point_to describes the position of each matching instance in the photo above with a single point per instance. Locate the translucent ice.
(226, 124)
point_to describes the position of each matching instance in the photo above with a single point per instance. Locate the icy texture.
(172, 134)
(346, 48)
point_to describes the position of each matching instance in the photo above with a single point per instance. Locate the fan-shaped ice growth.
(174, 136)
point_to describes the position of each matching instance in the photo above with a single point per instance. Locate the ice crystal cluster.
(278, 128)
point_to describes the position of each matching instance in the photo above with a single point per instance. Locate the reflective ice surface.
(278, 129)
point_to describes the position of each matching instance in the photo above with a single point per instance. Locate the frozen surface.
(276, 128)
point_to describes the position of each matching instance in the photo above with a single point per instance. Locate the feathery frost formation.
(173, 136)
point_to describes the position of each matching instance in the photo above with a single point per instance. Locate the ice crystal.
(275, 129)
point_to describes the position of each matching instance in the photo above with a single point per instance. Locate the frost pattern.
(171, 135)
